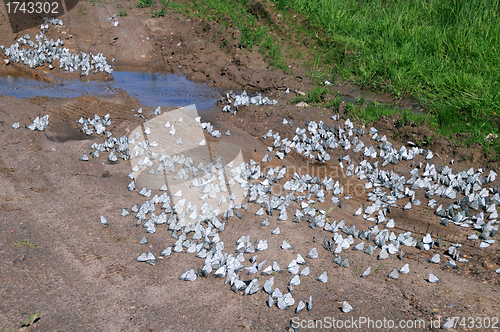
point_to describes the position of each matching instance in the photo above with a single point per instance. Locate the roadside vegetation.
(25, 243)
(446, 55)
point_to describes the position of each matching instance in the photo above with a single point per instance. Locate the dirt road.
(57, 259)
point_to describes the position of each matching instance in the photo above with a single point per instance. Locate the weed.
(360, 101)
(334, 104)
(270, 48)
(429, 140)
(378, 267)
(26, 243)
(492, 150)
(350, 107)
(172, 5)
(122, 14)
(328, 212)
(158, 13)
(145, 3)
(316, 95)
(251, 36)
(30, 320)
(298, 99)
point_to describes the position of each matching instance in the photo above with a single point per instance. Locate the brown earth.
(82, 276)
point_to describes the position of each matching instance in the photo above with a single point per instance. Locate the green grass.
(315, 96)
(30, 320)
(145, 3)
(172, 5)
(375, 111)
(26, 243)
(378, 267)
(158, 13)
(445, 53)
(236, 14)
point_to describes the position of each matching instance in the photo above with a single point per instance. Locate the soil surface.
(57, 259)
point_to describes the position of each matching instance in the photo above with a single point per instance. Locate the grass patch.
(318, 96)
(158, 13)
(314, 96)
(236, 14)
(26, 243)
(375, 111)
(145, 3)
(172, 5)
(30, 320)
(447, 54)
(492, 150)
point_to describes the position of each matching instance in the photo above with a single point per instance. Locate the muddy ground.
(57, 259)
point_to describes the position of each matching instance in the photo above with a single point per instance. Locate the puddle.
(152, 89)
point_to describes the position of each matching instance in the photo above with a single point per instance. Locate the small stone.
(302, 104)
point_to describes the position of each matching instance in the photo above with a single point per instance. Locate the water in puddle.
(152, 89)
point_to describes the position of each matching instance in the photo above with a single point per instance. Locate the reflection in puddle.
(152, 89)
